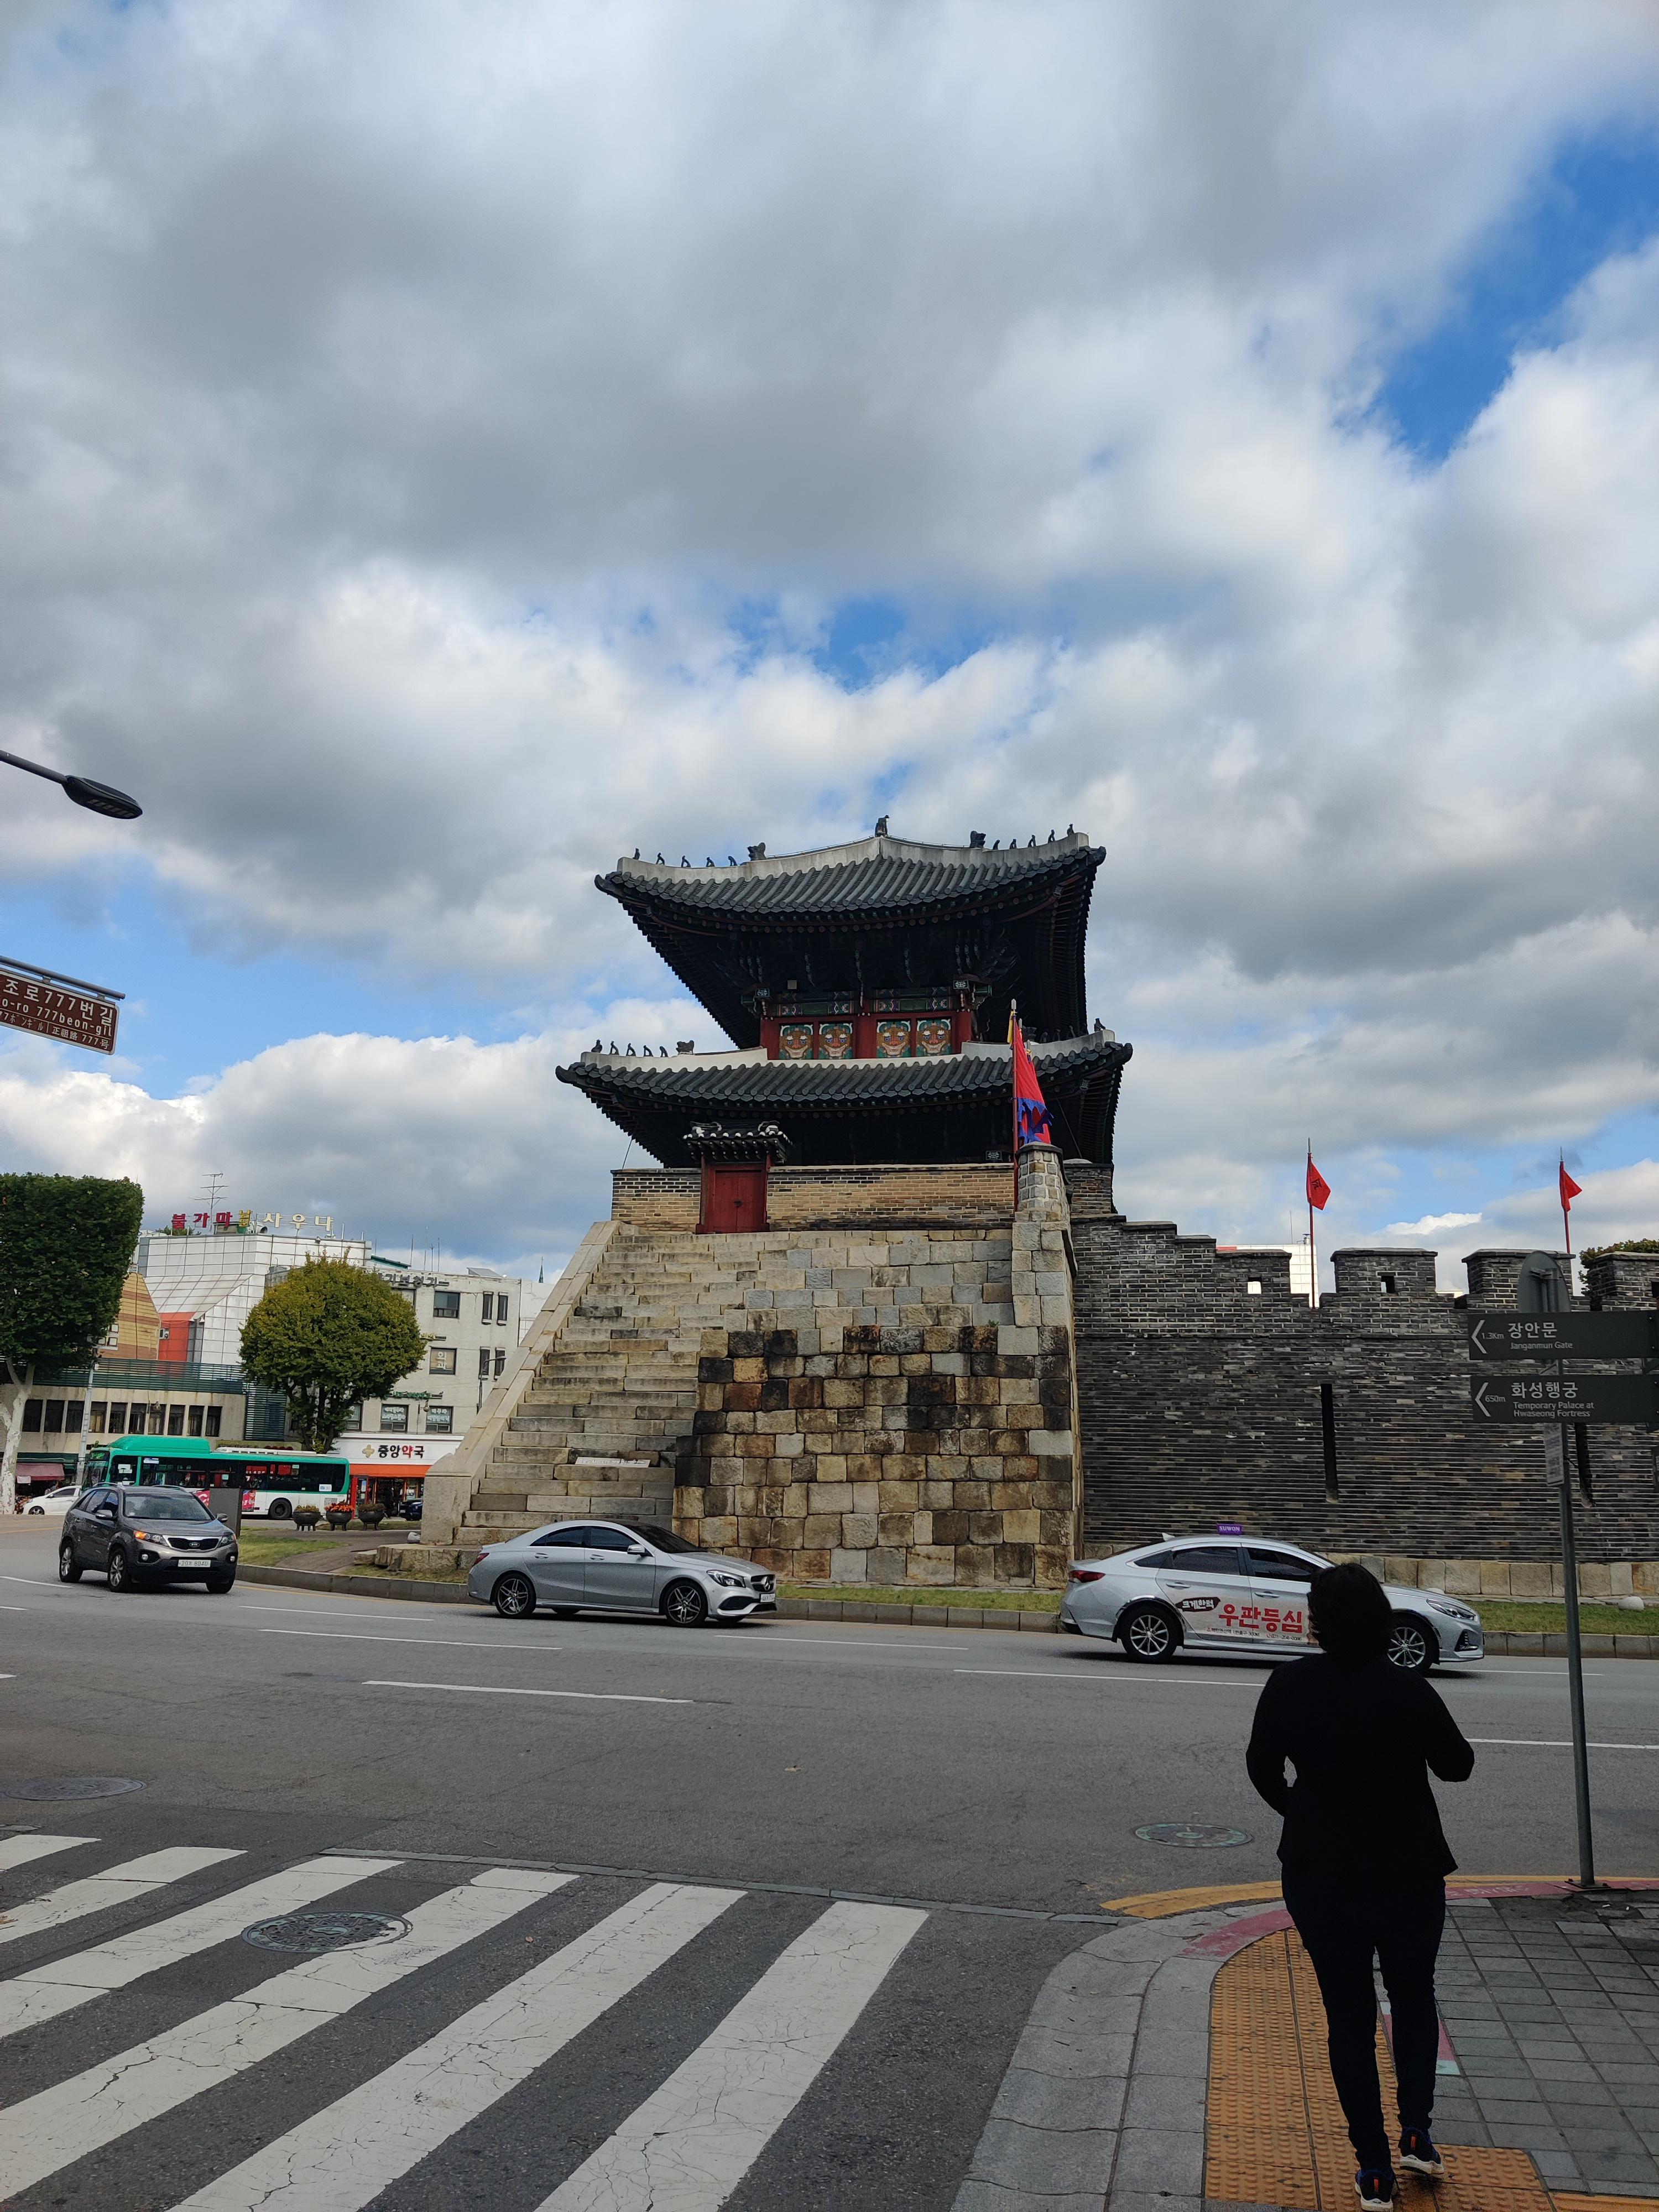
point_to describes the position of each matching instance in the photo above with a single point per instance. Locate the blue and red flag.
(1031, 1123)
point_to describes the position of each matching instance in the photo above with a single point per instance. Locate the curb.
(356, 1585)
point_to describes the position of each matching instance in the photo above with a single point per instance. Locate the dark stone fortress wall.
(1201, 1402)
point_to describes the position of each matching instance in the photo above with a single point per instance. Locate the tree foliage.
(1629, 1244)
(66, 1242)
(327, 1336)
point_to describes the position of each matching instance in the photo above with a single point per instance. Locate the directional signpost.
(58, 1006)
(1553, 1401)
(1632, 1399)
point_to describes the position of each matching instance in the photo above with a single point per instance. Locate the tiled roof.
(725, 1080)
(878, 875)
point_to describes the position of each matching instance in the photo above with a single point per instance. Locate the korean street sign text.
(1632, 1335)
(50, 1010)
(1532, 1398)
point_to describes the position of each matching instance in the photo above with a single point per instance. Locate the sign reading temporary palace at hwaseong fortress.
(58, 1006)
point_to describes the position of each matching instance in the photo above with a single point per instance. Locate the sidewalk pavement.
(1176, 2062)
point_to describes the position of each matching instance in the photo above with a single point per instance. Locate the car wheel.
(1413, 1646)
(684, 1606)
(119, 1571)
(279, 1510)
(514, 1597)
(1147, 1631)
(37, 1509)
(69, 1567)
(220, 1583)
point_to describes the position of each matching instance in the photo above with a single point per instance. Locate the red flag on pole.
(1318, 1189)
(1570, 1189)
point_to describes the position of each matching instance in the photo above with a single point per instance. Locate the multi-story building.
(470, 1317)
(205, 1287)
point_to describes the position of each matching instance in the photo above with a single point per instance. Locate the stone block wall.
(1202, 1400)
(937, 1454)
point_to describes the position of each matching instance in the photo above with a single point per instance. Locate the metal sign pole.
(1556, 1465)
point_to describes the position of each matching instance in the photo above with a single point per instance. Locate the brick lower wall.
(958, 1194)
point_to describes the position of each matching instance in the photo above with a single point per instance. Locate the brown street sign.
(1626, 1399)
(1632, 1335)
(58, 1006)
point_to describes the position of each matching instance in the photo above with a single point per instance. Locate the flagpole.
(1313, 1254)
(1566, 1215)
(1013, 1095)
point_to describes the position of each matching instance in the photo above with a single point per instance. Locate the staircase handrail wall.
(454, 1481)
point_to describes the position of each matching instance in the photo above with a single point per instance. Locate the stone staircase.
(608, 1407)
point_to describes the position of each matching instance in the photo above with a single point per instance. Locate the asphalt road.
(979, 1792)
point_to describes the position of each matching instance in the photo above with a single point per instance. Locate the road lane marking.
(98, 1891)
(494, 1690)
(1554, 1743)
(18, 1851)
(359, 1636)
(691, 2143)
(1056, 1674)
(49, 2131)
(44, 1992)
(346, 2155)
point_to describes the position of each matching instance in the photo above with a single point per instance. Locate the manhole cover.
(69, 1785)
(1191, 1838)
(325, 1931)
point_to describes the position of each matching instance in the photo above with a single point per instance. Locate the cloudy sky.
(447, 443)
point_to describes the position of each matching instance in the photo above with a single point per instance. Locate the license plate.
(194, 1566)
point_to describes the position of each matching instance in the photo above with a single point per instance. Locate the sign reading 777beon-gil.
(1632, 1399)
(57, 1006)
(1632, 1335)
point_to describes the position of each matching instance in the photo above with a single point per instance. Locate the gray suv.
(135, 1534)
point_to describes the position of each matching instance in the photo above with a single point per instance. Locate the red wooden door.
(733, 1199)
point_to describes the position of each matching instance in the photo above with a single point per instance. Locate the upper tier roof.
(884, 913)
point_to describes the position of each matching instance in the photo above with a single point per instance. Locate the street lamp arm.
(96, 797)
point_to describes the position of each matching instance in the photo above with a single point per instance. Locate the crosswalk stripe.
(18, 1851)
(45, 1991)
(690, 2144)
(62, 2123)
(98, 1891)
(345, 2155)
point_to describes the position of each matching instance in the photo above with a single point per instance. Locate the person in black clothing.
(1364, 1856)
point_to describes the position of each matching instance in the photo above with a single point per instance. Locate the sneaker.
(1417, 2151)
(1376, 2187)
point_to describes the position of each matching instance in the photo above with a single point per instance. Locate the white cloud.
(1432, 1225)
(439, 442)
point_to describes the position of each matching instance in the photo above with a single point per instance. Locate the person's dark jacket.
(1363, 1738)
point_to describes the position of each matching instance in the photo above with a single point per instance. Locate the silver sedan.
(605, 1566)
(1215, 1595)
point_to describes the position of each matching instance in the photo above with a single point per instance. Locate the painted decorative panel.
(892, 1040)
(795, 1041)
(932, 1038)
(835, 1040)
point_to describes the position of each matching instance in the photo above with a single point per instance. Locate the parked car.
(54, 1501)
(605, 1566)
(1214, 1594)
(134, 1535)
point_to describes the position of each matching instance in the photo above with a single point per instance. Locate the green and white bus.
(273, 1481)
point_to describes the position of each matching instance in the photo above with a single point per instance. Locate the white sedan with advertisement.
(1208, 1594)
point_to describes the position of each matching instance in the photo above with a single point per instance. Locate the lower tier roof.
(958, 1107)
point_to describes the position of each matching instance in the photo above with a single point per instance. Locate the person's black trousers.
(1343, 1926)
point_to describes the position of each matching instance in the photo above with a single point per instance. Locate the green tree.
(328, 1335)
(66, 1242)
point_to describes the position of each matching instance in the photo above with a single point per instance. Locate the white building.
(218, 1280)
(469, 1316)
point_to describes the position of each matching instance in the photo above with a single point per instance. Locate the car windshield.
(164, 1505)
(665, 1539)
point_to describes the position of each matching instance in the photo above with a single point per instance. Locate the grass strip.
(976, 1601)
(1533, 1618)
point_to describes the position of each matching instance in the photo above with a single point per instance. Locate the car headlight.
(1456, 1612)
(730, 1581)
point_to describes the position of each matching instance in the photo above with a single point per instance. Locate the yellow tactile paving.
(1165, 1904)
(1275, 2131)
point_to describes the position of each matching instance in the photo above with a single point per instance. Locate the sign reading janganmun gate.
(1632, 1399)
(58, 1006)
(1634, 1335)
